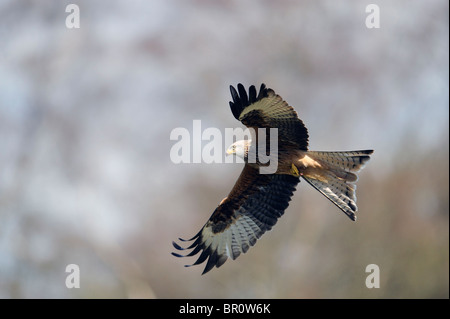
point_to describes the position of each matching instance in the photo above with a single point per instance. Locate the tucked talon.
(294, 171)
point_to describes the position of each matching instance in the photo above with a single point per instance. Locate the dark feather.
(241, 100)
(266, 115)
(252, 208)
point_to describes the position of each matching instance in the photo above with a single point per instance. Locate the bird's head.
(239, 148)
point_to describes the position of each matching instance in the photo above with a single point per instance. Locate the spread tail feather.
(336, 178)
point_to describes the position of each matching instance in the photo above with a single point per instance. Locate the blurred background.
(85, 120)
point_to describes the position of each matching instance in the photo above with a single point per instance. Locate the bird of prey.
(257, 200)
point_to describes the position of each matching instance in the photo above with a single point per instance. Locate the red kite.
(257, 200)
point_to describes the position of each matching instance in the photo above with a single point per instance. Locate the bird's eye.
(234, 147)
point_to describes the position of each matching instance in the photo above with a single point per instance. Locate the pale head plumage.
(239, 148)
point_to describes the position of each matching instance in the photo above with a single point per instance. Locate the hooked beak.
(230, 151)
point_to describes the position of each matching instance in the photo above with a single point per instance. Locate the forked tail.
(336, 177)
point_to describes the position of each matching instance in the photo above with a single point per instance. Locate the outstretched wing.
(268, 110)
(253, 206)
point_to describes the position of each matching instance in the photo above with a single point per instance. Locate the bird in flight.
(257, 200)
